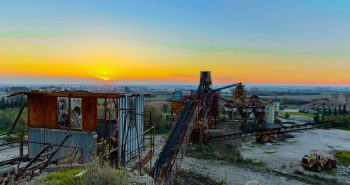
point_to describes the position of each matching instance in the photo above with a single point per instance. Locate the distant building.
(326, 104)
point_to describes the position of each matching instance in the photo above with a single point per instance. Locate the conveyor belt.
(176, 140)
(173, 144)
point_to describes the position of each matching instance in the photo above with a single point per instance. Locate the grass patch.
(3, 131)
(201, 151)
(347, 128)
(251, 163)
(314, 179)
(259, 164)
(343, 120)
(186, 178)
(94, 175)
(97, 175)
(342, 156)
(330, 172)
(61, 177)
(207, 152)
(302, 114)
(179, 181)
(283, 114)
(160, 132)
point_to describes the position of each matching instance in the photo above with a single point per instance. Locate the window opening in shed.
(76, 113)
(63, 116)
(107, 117)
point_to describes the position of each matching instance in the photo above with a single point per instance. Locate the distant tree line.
(283, 93)
(287, 101)
(11, 102)
(9, 108)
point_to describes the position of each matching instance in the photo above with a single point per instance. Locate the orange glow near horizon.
(126, 61)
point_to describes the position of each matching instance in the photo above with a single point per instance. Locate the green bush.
(344, 120)
(94, 175)
(259, 164)
(294, 102)
(8, 116)
(97, 175)
(343, 157)
(202, 151)
(64, 177)
(341, 121)
(287, 115)
(154, 114)
(223, 119)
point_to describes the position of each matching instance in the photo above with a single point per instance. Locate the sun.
(104, 74)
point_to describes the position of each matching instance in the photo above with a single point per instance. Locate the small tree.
(165, 108)
(323, 117)
(153, 114)
(317, 118)
(287, 115)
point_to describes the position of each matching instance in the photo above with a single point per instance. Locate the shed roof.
(79, 94)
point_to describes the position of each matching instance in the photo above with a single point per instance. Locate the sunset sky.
(258, 42)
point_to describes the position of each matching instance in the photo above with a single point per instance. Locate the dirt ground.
(229, 174)
(280, 158)
(285, 156)
(11, 153)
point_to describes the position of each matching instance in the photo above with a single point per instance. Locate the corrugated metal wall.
(131, 135)
(140, 109)
(36, 135)
(84, 142)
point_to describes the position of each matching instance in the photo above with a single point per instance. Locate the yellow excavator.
(317, 162)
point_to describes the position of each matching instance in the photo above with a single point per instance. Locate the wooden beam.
(143, 161)
(17, 118)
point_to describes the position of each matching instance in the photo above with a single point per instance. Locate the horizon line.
(150, 83)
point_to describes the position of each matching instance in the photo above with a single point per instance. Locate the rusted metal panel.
(42, 111)
(89, 109)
